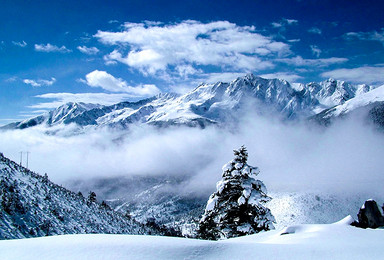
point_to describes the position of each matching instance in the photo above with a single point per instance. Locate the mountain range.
(220, 103)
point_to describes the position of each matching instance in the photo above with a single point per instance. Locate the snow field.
(311, 241)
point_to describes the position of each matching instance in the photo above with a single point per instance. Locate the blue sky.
(109, 51)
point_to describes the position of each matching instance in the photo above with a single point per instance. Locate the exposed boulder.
(369, 215)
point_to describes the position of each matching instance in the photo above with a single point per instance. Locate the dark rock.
(369, 215)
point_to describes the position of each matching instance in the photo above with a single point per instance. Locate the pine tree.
(91, 197)
(237, 208)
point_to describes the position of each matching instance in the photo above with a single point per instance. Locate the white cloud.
(51, 48)
(108, 82)
(366, 36)
(223, 77)
(39, 82)
(366, 74)
(291, 21)
(88, 50)
(20, 44)
(276, 25)
(187, 85)
(31, 82)
(284, 22)
(294, 40)
(59, 99)
(154, 47)
(315, 30)
(211, 78)
(315, 50)
(300, 62)
(11, 79)
(290, 77)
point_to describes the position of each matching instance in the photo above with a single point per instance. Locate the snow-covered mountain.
(333, 92)
(64, 114)
(32, 206)
(371, 102)
(207, 104)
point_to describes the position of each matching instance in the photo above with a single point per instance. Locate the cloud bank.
(58, 99)
(360, 75)
(299, 61)
(344, 158)
(152, 47)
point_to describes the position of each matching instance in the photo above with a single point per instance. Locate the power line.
(21, 158)
(27, 157)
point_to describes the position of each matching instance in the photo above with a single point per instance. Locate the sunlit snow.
(327, 241)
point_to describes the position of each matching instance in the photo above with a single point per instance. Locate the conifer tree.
(92, 197)
(237, 208)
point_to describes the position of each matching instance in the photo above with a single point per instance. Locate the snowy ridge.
(371, 103)
(64, 114)
(376, 95)
(208, 104)
(332, 92)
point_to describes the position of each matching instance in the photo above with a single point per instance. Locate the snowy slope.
(369, 100)
(290, 208)
(64, 114)
(31, 206)
(376, 95)
(332, 241)
(333, 92)
(159, 197)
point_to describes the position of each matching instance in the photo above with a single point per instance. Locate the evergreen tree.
(237, 208)
(91, 197)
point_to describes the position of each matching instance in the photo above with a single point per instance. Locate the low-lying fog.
(347, 157)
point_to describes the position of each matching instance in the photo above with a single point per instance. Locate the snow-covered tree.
(237, 208)
(91, 197)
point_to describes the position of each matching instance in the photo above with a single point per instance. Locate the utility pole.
(21, 158)
(27, 157)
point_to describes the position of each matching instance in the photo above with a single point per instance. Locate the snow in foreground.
(326, 241)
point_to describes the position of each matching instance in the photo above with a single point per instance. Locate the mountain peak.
(331, 80)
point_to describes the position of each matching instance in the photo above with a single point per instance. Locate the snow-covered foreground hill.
(327, 241)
